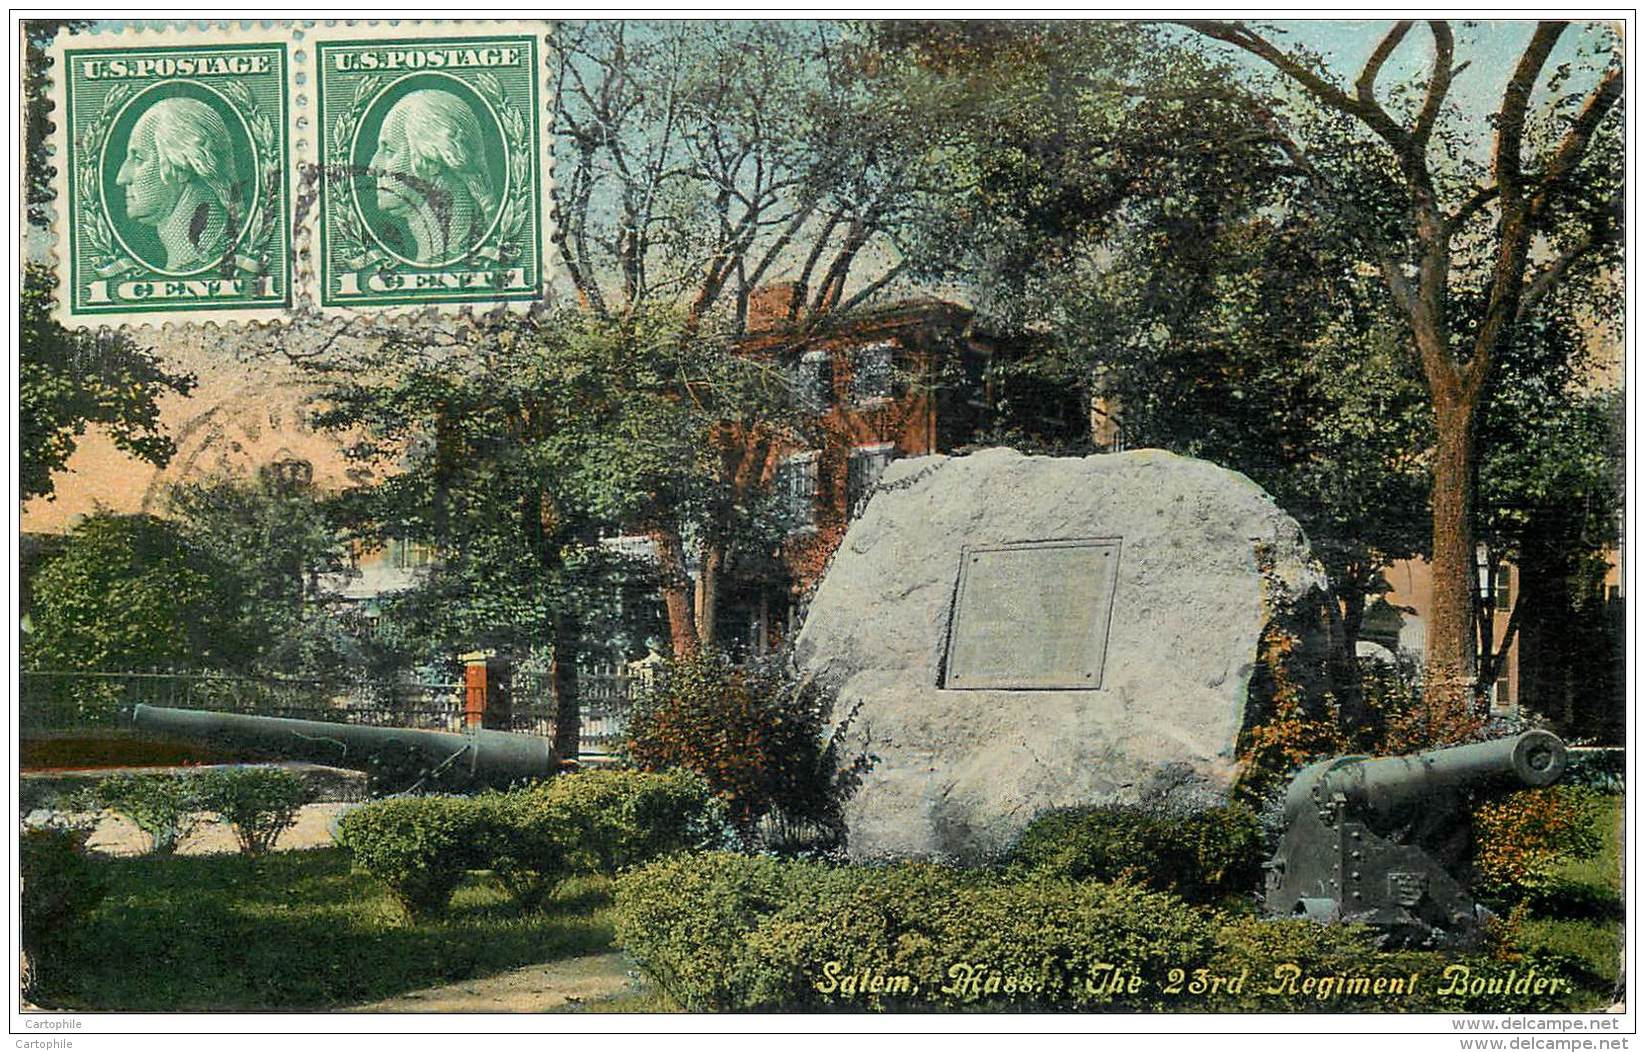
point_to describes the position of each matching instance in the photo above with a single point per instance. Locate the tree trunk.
(568, 716)
(675, 584)
(1448, 680)
(708, 592)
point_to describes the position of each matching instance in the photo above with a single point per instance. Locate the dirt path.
(553, 987)
(117, 836)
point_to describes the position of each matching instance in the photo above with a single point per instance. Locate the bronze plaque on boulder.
(1032, 615)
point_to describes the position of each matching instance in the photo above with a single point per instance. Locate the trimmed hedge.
(1203, 855)
(420, 847)
(732, 933)
(589, 822)
(166, 807)
(726, 932)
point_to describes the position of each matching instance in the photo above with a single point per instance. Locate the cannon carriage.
(1387, 841)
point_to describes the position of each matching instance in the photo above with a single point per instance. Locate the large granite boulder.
(1023, 633)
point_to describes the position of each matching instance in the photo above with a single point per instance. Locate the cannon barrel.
(1385, 840)
(1380, 786)
(478, 755)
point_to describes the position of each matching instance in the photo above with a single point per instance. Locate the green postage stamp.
(173, 177)
(432, 162)
(263, 174)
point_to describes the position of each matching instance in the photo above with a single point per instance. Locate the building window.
(871, 372)
(814, 380)
(863, 471)
(1504, 695)
(797, 483)
(1502, 581)
(405, 554)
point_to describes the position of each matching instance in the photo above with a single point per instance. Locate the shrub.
(757, 734)
(525, 845)
(590, 822)
(1266, 951)
(1601, 769)
(419, 847)
(726, 932)
(258, 803)
(165, 807)
(616, 819)
(683, 919)
(598, 822)
(1521, 839)
(60, 888)
(1203, 855)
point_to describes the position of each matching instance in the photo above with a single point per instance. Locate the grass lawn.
(299, 931)
(1582, 918)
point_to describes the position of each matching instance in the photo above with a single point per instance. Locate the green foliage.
(420, 847)
(525, 846)
(722, 932)
(587, 822)
(732, 933)
(1204, 856)
(165, 807)
(609, 821)
(131, 592)
(258, 803)
(596, 822)
(60, 888)
(273, 542)
(1522, 840)
(1604, 770)
(551, 433)
(756, 733)
(69, 380)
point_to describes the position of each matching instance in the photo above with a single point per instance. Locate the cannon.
(477, 757)
(1387, 840)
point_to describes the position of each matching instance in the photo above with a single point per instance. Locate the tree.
(131, 592)
(1551, 485)
(1127, 214)
(697, 161)
(1467, 256)
(516, 456)
(1241, 340)
(275, 541)
(69, 380)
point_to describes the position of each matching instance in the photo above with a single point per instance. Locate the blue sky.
(1491, 47)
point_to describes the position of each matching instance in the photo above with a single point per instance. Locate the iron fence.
(604, 695)
(65, 700)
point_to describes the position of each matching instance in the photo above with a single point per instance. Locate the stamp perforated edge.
(60, 233)
(341, 32)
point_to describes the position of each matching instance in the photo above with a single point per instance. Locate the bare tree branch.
(1365, 86)
(1439, 82)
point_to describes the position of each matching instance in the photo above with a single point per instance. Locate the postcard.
(1086, 524)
